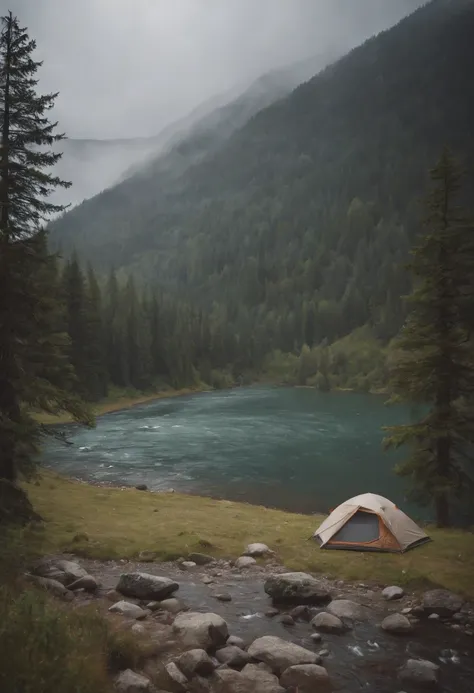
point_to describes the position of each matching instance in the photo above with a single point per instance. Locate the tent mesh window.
(361, 528)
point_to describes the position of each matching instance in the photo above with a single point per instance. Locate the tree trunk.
(443, 452)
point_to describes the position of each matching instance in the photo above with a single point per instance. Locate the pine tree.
(435, 363)
(34, 372)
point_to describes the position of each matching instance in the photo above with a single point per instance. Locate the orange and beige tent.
(369, 523)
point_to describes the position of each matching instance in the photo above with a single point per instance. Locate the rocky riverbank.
(216, 626)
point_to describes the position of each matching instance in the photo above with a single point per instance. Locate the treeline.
(124, 337)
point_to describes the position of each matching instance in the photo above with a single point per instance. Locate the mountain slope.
(300, 221)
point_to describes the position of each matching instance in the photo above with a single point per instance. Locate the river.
(291, 448)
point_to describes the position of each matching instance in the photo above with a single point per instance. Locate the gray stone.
(113, 596)
(173, 605)
(251, 680)
(54, 586)
(146, 586)
(245, 562)
(235, 640)
(296, 587)
(256, 550)
(178, 679)
(271, 612)
(222, 597)
(195, 662)
(279, 654)
(434, 617)
(287, 620)
(206, 631)
(207, 580)
(324, 653)
(347, 610)
(129, 610)
(200, 558)
(419, 672)
(65, 572)
(130, 682)
(87, 583)
(187, 565)
(233, 656)
(306, 678)
(406, 611)
(316, 637)
(393, 592)
(141, 487)
(328, 623)
(301, 613)
(397, 624)
(442, 602)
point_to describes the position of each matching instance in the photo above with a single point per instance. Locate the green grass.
(112, 523)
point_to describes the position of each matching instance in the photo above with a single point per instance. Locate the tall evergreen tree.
(435, 364)
(33, 370)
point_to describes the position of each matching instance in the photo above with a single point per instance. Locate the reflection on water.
(285, 447)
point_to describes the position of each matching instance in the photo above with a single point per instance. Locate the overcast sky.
(129, 67)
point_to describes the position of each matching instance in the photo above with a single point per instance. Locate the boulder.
(86, 583)
(328, 623)
(65, 572)
(296, 587)
(279, 654)
(306, 678)
(442, 602)
(256, 550)
(54, 586)
(287, 620)
(347, 610)
(233, 656)
(129, 610)
(145, 586)
(195, 662)
(245, 562)
(130, 682)
(206, 631)
(200, 558)
(173, 605)
(419, 672)
(397, 624)
(177, 678)
(235, 640)
(393, 592)
(251, 680)
(301, 613)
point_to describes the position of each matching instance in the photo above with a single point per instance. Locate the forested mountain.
(296, 228)
(93, 165)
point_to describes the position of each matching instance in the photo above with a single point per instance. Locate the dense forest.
(296, 230)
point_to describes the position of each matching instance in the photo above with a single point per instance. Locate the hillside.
(93, 165)
(299, 223)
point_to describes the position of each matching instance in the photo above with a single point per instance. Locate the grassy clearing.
(118, 400)
(121, 523)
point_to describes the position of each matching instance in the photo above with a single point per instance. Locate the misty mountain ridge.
(94, 165)
(297, 226)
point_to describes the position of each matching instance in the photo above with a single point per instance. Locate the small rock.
(420, 672)
(141, 487)
(391, 593)
(245, 562)
(233, 656)
(195, 662)
(328, 623)
(347, 610)
(434, 617)
(279, 654)
(54, 586)
(316, 637)
(207, 580)
(271, 612)
(204, 631)
(287, 620)
(145, 586)
(302, 613)
(65, 572)
(129, 610)
(456, 626)
(306, 678)
(173, 605)
(296, 587)
(252, 679)
(406, 611)
(113, 596)
(200, 558)
(442, 602)
(86, 583)
(256, 550)
(223, 597)
(130, 682)
(177, 677)
(323, 653)
(187, 565)
(397, 624)
(235, 640)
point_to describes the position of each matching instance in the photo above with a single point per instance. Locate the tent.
(369, 523)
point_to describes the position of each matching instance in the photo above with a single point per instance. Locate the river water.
(291, 448)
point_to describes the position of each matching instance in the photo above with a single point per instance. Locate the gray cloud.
(127, 69)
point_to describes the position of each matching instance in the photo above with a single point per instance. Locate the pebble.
(223, 597)
(323, 653)
(316, 637)
(433, 617)
(287, 620)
